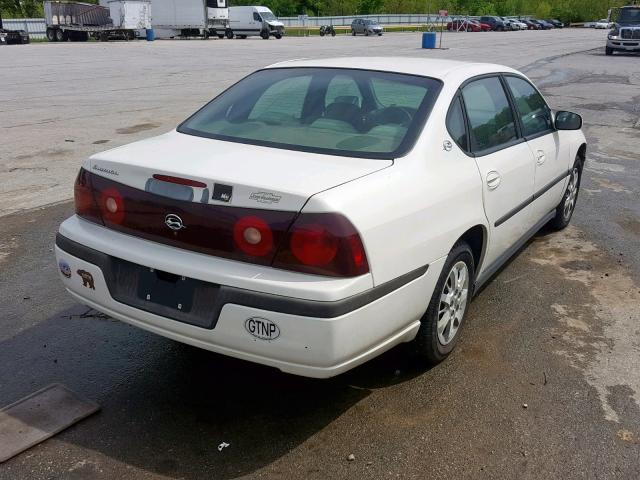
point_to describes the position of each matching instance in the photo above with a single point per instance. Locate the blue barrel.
(151, 35)
(429, 40)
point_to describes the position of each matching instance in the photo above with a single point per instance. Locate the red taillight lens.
(313, 245)
(84, 199)
(253, 236)
(323, 244)
(112, 205)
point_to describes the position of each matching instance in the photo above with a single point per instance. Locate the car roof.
(427, 67)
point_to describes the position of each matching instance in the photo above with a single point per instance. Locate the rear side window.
(490, 116)
(532, 109)
(456, 124)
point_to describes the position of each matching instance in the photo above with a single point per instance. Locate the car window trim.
(405, 147)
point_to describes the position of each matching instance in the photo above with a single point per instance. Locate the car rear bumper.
(316, 338)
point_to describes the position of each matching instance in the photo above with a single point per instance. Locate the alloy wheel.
(572, 194)
(453, 302)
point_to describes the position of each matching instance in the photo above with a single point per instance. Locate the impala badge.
(174, 222)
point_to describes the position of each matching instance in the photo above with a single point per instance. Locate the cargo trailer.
(190, 18)
(77, 21)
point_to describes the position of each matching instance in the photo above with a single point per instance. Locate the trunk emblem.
(174, 222)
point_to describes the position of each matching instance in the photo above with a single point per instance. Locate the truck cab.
(625, 34)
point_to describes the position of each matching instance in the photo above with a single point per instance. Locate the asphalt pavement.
(545, 381)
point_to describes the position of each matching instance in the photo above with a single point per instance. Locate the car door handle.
(493, 180)
(541, 157)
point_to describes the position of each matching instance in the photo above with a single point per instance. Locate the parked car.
(543, 25)
(495, 22)
(531, 25)
(556, 23)
(603, 24)
(484, 27)
(463, 25)
(510, 24)
(517, 24)
(254, 20)
(308, 224)
(13, 37)
(366, 27)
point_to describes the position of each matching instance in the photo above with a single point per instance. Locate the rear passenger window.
(490, 116)
(456, 124)
(532, 109)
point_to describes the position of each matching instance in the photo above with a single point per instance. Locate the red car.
(462, 25)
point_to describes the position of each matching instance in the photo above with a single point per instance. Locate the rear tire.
(228, 34)
(441, 323)
(61, 36)
(564, 211)
(51, 35)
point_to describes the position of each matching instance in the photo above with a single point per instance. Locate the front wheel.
(441, 323)
(353, 32)
(564, 211)
(608, 51)
(228, 34)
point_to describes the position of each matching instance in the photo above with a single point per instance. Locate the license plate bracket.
(167, 289)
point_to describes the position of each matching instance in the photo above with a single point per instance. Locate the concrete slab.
(39, 416)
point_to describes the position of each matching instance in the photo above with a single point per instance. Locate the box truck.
(246, 21)
(76, 21)
(190, 18)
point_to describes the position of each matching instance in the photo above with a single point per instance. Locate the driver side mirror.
(568, 121)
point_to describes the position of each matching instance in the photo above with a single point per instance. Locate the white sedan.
(603, 24)
(317, 213)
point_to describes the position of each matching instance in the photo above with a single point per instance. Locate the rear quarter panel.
(412, 213)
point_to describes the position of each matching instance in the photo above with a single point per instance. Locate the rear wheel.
(564, 210)
(441, 323)
(228, 34)
(51, 35)
(333, 33)
(61, 36)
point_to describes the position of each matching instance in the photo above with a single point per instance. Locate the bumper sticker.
(87, 279)
(65, 269)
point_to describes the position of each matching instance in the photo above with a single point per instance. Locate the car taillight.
(84, 199)
(112, 205)
(253, 236)
(323, 244)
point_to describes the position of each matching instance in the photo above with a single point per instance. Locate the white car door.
(551, 156)
(505, 163)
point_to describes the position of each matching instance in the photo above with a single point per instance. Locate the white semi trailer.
(190, 18)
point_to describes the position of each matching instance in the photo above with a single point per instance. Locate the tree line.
(565, 10)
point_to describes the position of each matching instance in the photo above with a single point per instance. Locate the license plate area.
(179, 298)
(168, 289)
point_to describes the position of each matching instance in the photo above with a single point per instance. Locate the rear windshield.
(357, 113)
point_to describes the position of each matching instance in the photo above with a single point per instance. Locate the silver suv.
(366, 26)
